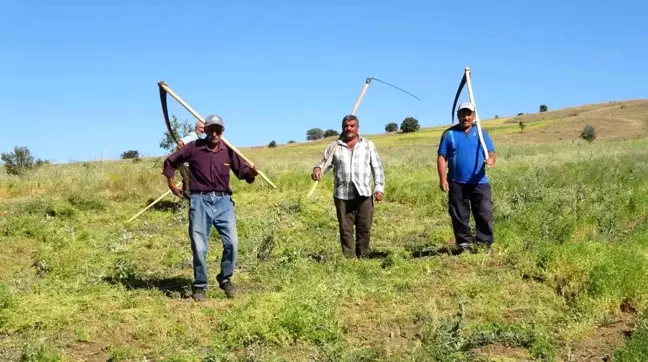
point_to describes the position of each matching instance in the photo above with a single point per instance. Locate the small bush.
(543, 108)
(272, 144)
(391, 127)
(314, 134)
(130, 154)
(292, 141)
(410, 124)
(330, 133)
(520, 114)
(588, 133)
(20, 160)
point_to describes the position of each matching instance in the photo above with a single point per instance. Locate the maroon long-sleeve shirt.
(209, 170)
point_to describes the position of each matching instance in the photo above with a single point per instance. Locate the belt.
(210, 193)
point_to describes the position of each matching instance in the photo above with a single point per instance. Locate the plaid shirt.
(354, 168)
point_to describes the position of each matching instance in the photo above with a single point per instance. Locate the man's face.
(466, 117)
(350, 129)
(214, 132)
(200, 128)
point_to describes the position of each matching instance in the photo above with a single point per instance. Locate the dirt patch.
(89, 352)
(499, 351)
(604, 340)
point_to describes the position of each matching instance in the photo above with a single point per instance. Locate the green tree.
(130, 154)
(272, 144)
(520, 114)
(314, 134)
(391, 127)
(410, 124)
(331, 133)
(588, 133)
(292, 141)
(179, 130)
(20, 160)
(543, 108)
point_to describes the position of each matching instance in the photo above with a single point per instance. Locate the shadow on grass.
(165, 205)
(175, 287)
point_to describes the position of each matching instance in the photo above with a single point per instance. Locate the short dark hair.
(350, 117)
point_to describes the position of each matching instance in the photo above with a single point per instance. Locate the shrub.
(410, 124)
(272, 144)
(588, 133)
(330, 133)
(391, 127)
(543, 108)
(314, 134)
(130, 154)
(20, 160)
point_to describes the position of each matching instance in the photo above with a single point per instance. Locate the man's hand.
(378, 196)
(317, 174)
(443, 185)
(490, 162)
(176, 191)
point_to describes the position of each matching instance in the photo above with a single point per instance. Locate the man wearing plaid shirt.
(355, 161)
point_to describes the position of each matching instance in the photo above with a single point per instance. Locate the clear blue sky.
(79, 78)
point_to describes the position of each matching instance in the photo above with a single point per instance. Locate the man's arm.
(317, 170)
(241, 169)
(378, 171)
(442, 164)
(490, 148)
(171, 163)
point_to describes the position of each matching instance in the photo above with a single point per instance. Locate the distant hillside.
(612, 121)
(616, 120)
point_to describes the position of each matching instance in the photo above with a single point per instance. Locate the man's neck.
(214, 147)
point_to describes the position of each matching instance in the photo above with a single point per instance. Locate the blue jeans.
(205, 211)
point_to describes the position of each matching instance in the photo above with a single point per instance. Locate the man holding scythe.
(355, 161)
(210, 161)
(461, 167)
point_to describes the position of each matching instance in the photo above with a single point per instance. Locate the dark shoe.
(199, 294)
(228, 288)
(461, 248)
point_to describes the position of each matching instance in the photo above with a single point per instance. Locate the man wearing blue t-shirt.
(462, 173)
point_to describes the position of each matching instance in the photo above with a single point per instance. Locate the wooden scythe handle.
(353, 112)
(472, 100)
(195, 114)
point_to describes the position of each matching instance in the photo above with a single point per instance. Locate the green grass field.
(567, 279)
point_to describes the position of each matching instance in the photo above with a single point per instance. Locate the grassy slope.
(567, 278)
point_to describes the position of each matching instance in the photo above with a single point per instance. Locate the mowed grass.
(567, 279)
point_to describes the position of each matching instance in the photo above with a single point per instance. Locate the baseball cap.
(214, 119)
(467, 105)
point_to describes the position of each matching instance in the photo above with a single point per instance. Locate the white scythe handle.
(151, 204)
(353, 112)
(177, 98)
(477, 121)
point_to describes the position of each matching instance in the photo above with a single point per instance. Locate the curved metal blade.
(165, 111)
(454, 104)
(391, 85)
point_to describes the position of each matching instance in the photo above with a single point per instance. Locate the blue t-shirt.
(465, 155)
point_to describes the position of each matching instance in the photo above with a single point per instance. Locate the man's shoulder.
(369, 142)
(201, 142)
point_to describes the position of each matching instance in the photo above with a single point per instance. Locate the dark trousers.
(464, 199)
(357, 212)
(184, 172)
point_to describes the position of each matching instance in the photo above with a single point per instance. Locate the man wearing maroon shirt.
(210, 162)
